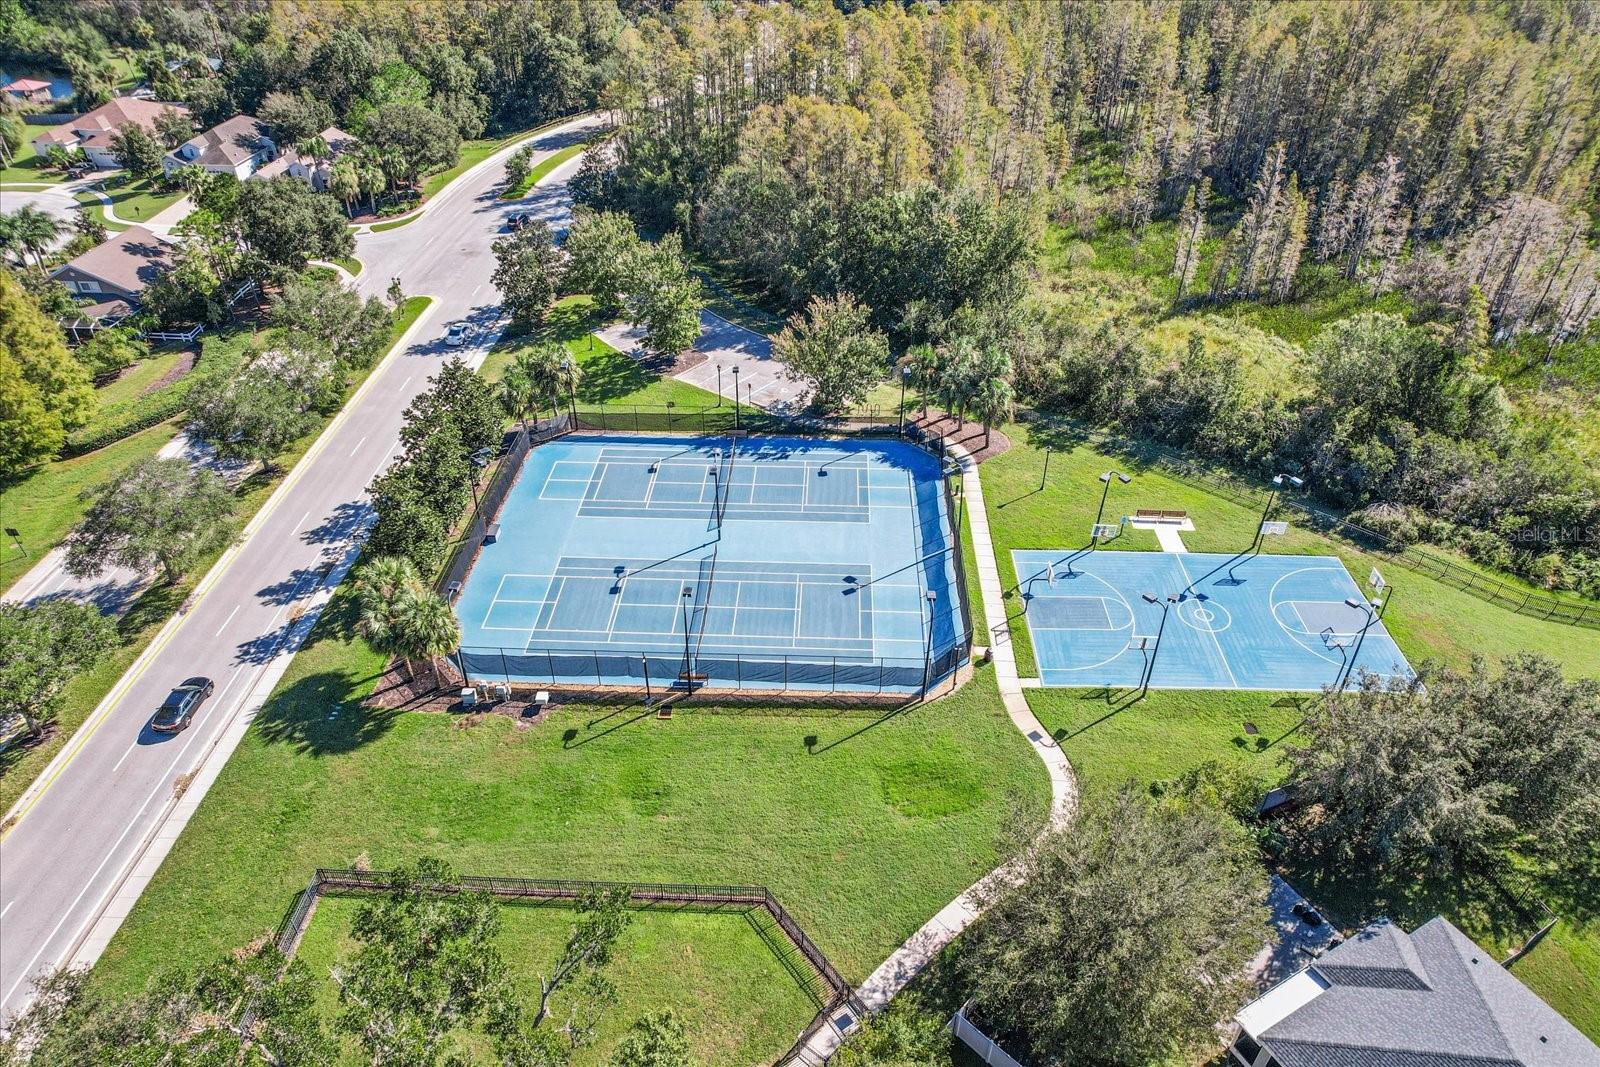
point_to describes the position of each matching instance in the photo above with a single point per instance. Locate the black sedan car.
(177, 711)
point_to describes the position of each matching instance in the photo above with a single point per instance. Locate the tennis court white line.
(1188, 583)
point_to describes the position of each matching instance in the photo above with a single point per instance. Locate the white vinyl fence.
(980, 1042)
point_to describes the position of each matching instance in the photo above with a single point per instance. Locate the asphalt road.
(76, 841)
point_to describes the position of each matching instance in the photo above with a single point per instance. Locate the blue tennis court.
(1272, 622)
(753, 563)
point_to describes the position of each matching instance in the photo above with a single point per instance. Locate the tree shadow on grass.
(322, 714)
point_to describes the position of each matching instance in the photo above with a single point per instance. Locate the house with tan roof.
(119, 268)
(239, 146)
(91, 132)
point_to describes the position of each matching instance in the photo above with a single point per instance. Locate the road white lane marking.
(5, 909)
(384, 462)
(164, 784)
(405, 384)
(229, 619)
(301, 524)
(359, 443)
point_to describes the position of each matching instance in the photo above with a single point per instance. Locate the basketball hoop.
(1274, 529)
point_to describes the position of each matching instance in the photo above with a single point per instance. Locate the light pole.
(572, 389)
(1278, 481)
(688, 676)
(1166, 606)
(1046, 472)
(932, 598)
(719, 385)
(736, 396)
(1094, 535)
(479, 460)
(905, 376)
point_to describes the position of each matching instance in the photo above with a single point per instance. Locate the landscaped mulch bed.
(969, 436)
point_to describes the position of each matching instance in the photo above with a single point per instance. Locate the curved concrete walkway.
(907, 961)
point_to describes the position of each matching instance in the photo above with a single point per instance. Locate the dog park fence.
(819, 978)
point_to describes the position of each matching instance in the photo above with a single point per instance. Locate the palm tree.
(385, 590)
(430, 629)
(554, 372)
(344, 181)
(373, 180)
(993, 402)
(516, 393)
(194, 180)
(8, 238)
(958, 377)
(34, 230)
(923, 363)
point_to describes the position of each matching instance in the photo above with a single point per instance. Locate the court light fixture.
(1279, 479)
(1353, 602)
(1123, 478)
(1150, 598)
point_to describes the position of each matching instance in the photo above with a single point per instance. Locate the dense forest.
(1430, 169)
(1353, 241)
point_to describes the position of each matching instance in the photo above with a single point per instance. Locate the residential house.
(313, 171)
(115, 274)
(239, 146)
(91, 132)
(1386, 998)
(28, 90)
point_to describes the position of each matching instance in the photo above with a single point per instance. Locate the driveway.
(726, 346)
(55, 201)
(1294, 943)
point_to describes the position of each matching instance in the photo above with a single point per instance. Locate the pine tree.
(1191, 231)
(1290, 238)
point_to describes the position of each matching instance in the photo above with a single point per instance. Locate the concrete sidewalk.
(907, 961)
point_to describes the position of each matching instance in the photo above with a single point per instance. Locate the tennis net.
(724, 485)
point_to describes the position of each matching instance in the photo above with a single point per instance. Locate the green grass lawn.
(45, 506)
(717, 970)
(28, 166)
(1428, 618)
(610, 377)
(540, 172)
(136, 201)
(862, 826)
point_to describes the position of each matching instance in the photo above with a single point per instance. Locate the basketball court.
(1201, 620)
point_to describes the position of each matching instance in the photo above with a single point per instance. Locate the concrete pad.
(762, 379)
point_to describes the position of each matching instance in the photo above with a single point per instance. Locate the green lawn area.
(610, 378)
(350, 263)
(134, 201)
(540, 172)
(45, 506)
(716, 970)
(862, 826)
(28, 166)
(1428, 618)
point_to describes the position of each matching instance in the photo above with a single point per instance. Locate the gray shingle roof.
(1431, 998)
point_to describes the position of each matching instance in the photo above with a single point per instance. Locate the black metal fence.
(486, 506)
(820, 979)
(668, 671)
(728, 419)
(1485, 587)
